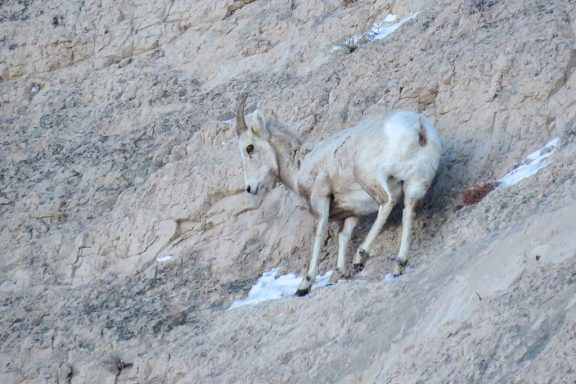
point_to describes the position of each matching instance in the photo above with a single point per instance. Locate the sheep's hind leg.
(407, 220)
(386, 190)
(323, 209)
(364, 250)
(343, 240)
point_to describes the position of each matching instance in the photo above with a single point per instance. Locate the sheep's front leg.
(322, 209)
(343, 239)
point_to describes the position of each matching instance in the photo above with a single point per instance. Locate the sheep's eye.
(250, 148)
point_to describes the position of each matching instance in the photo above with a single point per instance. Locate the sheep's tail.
(422, 140)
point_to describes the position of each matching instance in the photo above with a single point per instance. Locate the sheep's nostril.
(248, 189)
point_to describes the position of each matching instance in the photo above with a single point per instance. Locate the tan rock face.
(118, 150)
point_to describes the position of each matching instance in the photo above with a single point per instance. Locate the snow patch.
(377, 31)
(163, 259)
(389, 276)
(380, 31)
(270, 286)
(532, 164)
(390, 18)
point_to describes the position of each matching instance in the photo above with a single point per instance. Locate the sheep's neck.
(289, 155)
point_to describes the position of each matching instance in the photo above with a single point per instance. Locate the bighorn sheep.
(356, 172)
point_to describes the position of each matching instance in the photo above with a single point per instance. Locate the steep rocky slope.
(118, 148)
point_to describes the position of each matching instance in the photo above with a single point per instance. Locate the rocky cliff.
(126, 233)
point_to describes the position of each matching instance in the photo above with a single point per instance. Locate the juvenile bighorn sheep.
(356, 172)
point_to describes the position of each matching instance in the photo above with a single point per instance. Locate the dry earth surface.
(117, 147)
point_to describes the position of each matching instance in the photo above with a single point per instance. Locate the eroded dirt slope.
(117, 148)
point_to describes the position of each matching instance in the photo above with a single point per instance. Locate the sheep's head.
(258, 156)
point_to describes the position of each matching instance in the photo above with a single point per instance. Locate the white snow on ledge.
(163, 259)
(380, 31)
(270, 286)
(532, 164)
(377, 31)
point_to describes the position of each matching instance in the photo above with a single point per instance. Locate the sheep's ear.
(259, 124)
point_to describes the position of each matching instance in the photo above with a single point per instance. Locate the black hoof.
(302, 292)
(399, 269)
(359, 267)
(394, 275)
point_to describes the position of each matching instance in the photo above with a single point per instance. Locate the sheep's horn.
(240, 121)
